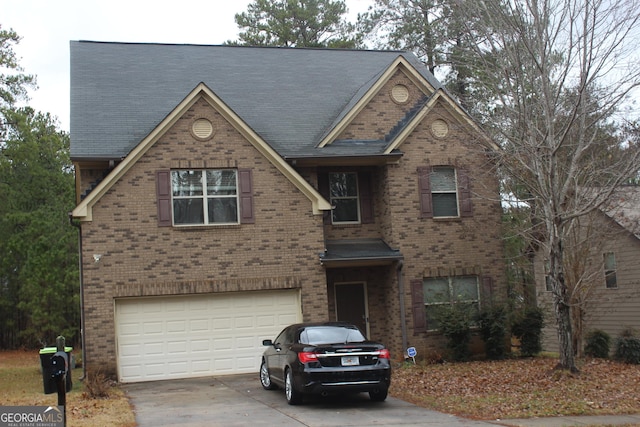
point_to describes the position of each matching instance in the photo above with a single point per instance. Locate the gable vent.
(202, 128)
(439, 128)
(400, 94)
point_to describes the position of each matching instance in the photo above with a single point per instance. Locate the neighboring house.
(607, 258)
(225, 192)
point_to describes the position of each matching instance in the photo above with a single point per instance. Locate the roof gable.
(624, 209)
(84, 210)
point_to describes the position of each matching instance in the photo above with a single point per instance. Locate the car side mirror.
(267, 343)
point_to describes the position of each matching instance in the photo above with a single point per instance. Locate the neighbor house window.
(444, 192)
(343, 191)
(205, 196)
(443, 292)
(610, 278)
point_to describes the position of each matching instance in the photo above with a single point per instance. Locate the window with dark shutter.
(204, 197)
(417, 304)
(323, 188)
(487, 288)
(424, 187)
(163, 196)
(464, 191)
(445, 192)
(246, 196)
(350, 194)
(366, 197)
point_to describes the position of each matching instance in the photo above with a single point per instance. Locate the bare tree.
(559, 71)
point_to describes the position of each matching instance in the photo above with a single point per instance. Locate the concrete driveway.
(240, 400)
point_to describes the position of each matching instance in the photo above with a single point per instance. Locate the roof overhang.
(355, 160)
(358, 253)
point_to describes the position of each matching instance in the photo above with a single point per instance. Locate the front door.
(351, 305)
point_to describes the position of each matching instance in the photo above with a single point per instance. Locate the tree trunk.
(561, 304)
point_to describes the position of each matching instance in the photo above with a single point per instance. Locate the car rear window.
(318, 335)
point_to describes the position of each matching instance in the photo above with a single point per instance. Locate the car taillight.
(384, 354)
(306, 357)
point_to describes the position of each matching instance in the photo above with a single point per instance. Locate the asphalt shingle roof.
(291, 97)
(624, 208)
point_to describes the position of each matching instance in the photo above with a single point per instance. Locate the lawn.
(21, 384)
(520, 388)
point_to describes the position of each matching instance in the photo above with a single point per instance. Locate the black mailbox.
(55, 364)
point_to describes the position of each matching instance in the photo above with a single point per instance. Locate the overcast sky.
(47, 26)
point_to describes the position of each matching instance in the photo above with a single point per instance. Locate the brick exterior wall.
(280, 251)
(431, 247)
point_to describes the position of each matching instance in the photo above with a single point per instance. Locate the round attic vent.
(439, 128)
(202, 128)
(400, 94)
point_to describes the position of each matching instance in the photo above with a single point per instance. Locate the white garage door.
(190, 336)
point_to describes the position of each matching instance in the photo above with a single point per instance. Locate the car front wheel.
(378, 395)
(265, 378)
(294, 397)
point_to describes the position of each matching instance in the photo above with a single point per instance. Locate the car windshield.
(317, 335)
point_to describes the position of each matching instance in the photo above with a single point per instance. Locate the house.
(225, 192)
(605, 259)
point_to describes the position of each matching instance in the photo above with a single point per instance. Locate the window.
(444, 192)
(445, 291)
(610, 277)
(343, 187)
(204, 196)
(350, 193)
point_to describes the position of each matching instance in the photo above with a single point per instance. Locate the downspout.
(84, 364)
(403, 320)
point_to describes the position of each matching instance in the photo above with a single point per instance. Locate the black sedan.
(323, 358)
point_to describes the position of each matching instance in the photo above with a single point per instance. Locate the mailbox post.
(55, 372)
(60, 365)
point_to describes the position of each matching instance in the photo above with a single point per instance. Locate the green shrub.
(528, 329)
(598, 344)
(628, 347)
(493, 328)
(455, 324)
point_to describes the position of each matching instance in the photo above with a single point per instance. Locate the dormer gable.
(406, 98)
(400, 83)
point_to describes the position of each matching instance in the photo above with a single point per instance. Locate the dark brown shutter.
(323, 188)
(464, 190)
(424, 187)
(163, 197)
(487, 288)
(366, 197)
(246, 196)
(417, 304)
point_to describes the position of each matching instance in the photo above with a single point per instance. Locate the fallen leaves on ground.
(21, 384)
(520, 388)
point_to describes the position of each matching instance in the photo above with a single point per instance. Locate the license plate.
(350, 360)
